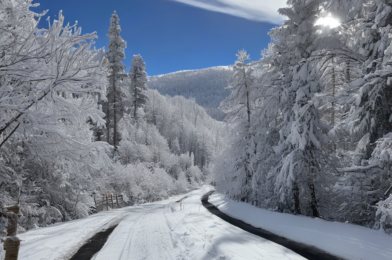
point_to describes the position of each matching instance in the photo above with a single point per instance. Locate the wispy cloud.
(257, 10)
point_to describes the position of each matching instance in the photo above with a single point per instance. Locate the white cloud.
(257, 10)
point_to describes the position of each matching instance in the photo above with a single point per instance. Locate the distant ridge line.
(181, 71)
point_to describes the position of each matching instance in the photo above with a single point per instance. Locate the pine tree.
(238, 109)
(115, 94)
(138, 77)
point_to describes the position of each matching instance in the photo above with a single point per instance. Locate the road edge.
(307, 251)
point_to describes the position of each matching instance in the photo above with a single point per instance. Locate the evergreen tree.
(138, 77)
(238, 114)
(114, 107)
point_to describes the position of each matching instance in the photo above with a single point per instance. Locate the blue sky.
(174, 35)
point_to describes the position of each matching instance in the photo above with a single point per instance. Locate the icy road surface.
(153, 231)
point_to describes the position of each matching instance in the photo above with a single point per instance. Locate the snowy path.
(153, 231)
(163, 231)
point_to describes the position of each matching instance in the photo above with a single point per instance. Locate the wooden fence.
(106, 200)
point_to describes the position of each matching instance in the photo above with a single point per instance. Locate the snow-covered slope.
(207, 86)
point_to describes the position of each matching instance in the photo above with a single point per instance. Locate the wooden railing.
(180, 202)
(107, 200)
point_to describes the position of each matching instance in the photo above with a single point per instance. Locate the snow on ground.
(159, 230)
(61, 241)
(164, 231)
(344, 240)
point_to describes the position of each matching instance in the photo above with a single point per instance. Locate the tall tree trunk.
(108, 121)
(249, 174)
(313, 201)
(248, 105)
(115, 141)
(297, 209)
(333, 98)
(135, 101)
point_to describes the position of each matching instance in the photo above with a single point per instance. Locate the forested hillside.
(73, 124)
(312, 118)
(207, 86)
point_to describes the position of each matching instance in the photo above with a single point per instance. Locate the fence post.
(12, 242)
(95, 201)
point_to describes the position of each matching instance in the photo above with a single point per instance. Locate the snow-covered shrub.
(384, 215)
(181, 183)
(142, 183)
(195, 176)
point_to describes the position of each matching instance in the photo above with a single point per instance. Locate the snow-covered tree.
(310, 75)
(50, 83)
(138, 77)
(59, 83)
(301, 166)
(115, 94)
(238, 109)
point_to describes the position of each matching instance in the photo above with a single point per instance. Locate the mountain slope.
(207, 86)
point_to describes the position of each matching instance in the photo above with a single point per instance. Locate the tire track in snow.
(163, 231)
(147, 237)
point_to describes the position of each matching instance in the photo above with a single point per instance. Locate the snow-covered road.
(159, 230)
(164, 231)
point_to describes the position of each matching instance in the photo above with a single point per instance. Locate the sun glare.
(328, 21)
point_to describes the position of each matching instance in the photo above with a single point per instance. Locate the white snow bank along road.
(62, 240)
(164, 231)
(345, 240)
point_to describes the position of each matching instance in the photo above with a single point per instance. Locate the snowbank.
(60, 241)
(344, 240)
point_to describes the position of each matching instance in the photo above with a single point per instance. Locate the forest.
(209, 87)
(307, 128)
(74, 124)
(312, 118)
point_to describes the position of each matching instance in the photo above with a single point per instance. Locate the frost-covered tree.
(369, 117)
(298, 122)
(115, 93)
(312, 75)
(183, 120)
(138, 77)
(50, 81)
(301, 166)
(238, 109)
(59, 83)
